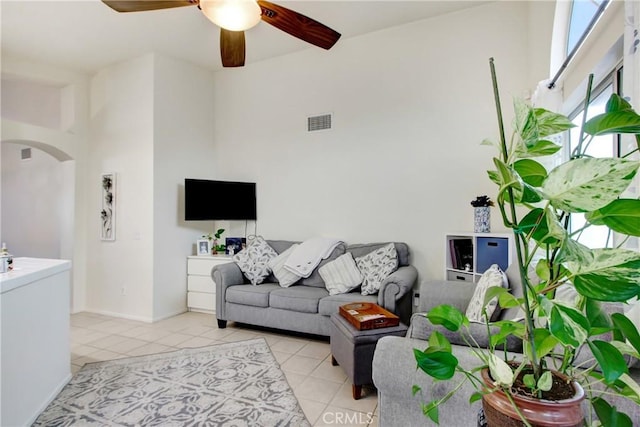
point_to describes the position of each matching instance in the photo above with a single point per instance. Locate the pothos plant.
(537, 206)
(214, 238)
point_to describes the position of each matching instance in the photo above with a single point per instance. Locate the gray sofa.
(306, 306)
(395, 372)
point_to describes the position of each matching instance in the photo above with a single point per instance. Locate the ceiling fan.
(235, 16)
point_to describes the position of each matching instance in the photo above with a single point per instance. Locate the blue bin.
(492, 250)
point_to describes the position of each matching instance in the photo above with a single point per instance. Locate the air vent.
(25, 154)
(322, 122)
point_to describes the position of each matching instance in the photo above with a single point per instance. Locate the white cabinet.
(468, 255)
(201, 289)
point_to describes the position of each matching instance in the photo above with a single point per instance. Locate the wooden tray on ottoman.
(366, 315)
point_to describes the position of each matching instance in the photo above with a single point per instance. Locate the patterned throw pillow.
(254, 260)
(341, 275)
(492, 277)
(285, 277)
(377, 266)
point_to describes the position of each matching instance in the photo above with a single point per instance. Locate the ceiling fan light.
(232, 15)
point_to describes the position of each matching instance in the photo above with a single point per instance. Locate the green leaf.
(531, 172)
(440, 365)
(431, 410)
(568, 325)
(438, 341)
(550, 123)
(537, 222)
(526, 122)
(415, 389)
(628, 329)
(538, 149)
(501, 372)
(529, 380)
(546, 381)
(608, 415)
(507, 328)
(508, 178)
(610, 360)
(598, 319)
(588, 184)
(448, 316)
(475, 397)
(574, 251)
(624, 121)
(495, 177)
(617, 103)
(545, 342)
(621, 215)
(612, 275)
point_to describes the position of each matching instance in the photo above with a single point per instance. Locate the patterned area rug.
(236, 384)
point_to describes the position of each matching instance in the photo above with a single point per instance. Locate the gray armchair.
(395, 371)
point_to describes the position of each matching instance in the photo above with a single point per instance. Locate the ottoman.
(353, 349)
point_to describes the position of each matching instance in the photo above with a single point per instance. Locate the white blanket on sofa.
(306, 257)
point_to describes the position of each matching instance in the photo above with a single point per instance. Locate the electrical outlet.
(416, 299)
(123, 291)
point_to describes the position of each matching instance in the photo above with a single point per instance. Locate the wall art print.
(108, 212)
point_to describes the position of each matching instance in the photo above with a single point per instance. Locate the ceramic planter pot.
(499, 411)
(482, 219)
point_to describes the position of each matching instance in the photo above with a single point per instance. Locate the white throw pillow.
(341, 275)
(254, 260)
(492, 277)
(377, 266)
(285, 277)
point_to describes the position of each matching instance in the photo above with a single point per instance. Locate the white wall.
(33, 204)
(120, 272)
(183, 148)
(67, 144)
(411, 105)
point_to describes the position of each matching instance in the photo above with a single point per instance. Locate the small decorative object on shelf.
(482, 214)
(213, 240)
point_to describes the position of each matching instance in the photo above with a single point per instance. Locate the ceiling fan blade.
(142, 5)
(232, 48)
(298, 25)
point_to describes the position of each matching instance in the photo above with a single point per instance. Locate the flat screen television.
(219, 200)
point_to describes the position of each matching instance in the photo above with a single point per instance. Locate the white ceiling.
(86, 35)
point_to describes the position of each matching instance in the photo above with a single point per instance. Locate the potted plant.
(213, 238)
(482, 214)
(538, 205)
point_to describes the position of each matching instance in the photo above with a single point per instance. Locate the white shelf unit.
(201, 289)
(484, 250)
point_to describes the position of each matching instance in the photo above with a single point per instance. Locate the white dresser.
(201, 289)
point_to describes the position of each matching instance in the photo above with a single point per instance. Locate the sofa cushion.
(377, 266)
(281, 245)
(254, 259)
(362, 249)
(314, 279)
(297, 298)
(257, 296)
(284, 277)
(330, 304)
(341, 275)
(494, 276)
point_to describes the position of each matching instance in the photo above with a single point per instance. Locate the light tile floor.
(322, 390)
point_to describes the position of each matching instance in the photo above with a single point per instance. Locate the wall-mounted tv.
(218, 200)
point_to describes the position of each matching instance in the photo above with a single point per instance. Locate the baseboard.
(50, 398)
(166, 316)
(137, 318)
(120, 315)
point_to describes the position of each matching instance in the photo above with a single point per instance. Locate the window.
(601, 146)
(582, 12)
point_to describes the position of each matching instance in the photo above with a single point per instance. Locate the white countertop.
(27, 270)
